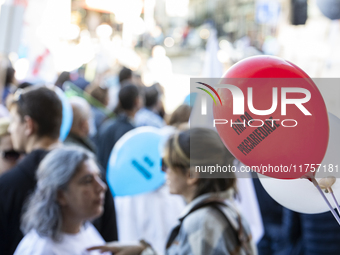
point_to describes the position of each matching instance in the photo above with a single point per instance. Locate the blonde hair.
(200, 147)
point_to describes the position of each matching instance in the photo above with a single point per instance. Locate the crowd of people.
(54, 197)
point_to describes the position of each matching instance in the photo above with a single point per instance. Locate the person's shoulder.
(11, 178)
(205, 218)
(90, 236)
(92, 232)
(106, 126)
(33, 244)
(23, 171)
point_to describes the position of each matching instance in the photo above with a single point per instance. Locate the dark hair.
(63, 77)
(200, 147)
(180, 115)
(44, 107)
(125, 74)
(127, 97)
(24, 85)
(151, 96)
(9, 76)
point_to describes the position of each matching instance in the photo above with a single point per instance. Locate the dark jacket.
(15, 187)
(313, 234)
(85, 143)
(109, 133)
(271, 211)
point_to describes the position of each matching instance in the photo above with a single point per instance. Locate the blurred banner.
(11, 19)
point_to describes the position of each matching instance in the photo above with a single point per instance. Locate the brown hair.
(203, 147)
(180, 115)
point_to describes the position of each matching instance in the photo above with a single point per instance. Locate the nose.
(101, 185)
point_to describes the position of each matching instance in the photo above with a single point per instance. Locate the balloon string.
(336, 202)
(326, 200)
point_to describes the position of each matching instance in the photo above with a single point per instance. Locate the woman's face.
(84, 197)
(176, 181)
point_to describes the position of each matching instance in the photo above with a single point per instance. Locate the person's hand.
(119, 249)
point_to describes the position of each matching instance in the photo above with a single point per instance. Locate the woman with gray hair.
(69, 194)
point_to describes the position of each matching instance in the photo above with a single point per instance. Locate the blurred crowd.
(54, 196)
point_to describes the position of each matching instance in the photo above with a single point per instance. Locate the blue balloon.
(329, 8)
(67, 114)
(135, 163)
(190, 99)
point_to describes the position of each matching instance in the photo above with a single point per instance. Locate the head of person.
(99, 93)
(187, 150)
(63, 77)
(137, 79)
(10, 76)
(36, 115)
(152, 98)
(180, 115)
(8, 156)
(69, 187)
(81, 116)
(130, 100)
(125, 74)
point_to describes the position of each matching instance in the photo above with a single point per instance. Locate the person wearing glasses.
(9, 156)
(36, 116)
(68, 196)
(209, 224)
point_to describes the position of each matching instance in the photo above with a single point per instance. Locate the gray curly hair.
(43, 212)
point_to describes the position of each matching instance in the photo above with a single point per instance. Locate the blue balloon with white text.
(135, 163)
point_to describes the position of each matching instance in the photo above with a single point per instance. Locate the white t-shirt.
(71, 244)
(150, 216)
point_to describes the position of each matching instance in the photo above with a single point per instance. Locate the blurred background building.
(94, 38)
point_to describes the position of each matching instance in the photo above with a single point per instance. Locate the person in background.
(35, 126)
(113, 129)
(311, 234)
(161, 111)
(180, 116)
(208, 225)
(125, 75)
(78, 78)
(148, 115)
(69, 194)
(79, 133)
(137, 79)
(9, 157)
(62, 78)
(102, 97)
(9, 84)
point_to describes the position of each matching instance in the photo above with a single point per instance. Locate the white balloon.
(301, 195)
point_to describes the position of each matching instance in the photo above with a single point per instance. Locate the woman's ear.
(192, 176)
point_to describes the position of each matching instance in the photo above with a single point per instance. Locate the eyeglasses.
(11, 155)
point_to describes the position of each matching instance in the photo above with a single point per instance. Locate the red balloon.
(286, 141)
